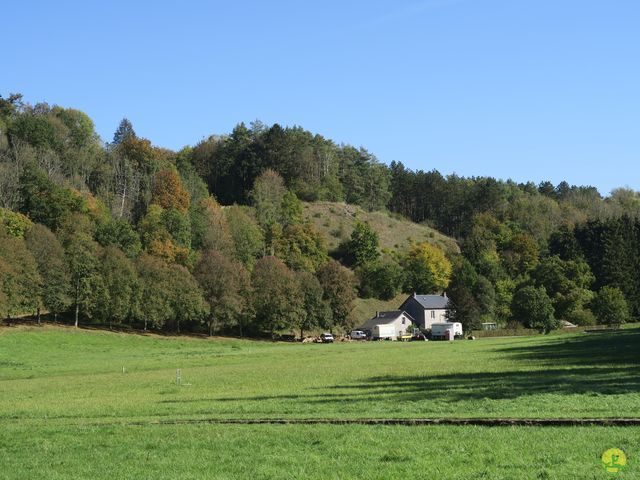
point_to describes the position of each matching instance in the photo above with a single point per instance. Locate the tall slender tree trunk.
(38, 315)
(124, 196)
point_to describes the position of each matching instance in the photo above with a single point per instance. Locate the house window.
(433, 314)
(403, 321)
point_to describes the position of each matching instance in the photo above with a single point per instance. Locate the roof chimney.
(444, 294)
(415, 295)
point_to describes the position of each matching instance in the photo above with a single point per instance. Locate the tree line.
(213, 236)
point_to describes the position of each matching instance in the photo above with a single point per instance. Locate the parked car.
(326, 338)
(358, 335)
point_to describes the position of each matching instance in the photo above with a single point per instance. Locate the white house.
(401, 322)
(427, 309)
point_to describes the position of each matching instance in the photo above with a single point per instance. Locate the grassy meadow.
(68, 410)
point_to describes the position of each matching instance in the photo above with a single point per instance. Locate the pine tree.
(123, 132)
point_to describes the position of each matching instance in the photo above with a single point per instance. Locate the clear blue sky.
(521, 89)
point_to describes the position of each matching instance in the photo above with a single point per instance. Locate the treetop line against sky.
(528, 90)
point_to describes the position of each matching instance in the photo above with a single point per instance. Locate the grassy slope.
(65, 405)
(336, 222)
(365, 308)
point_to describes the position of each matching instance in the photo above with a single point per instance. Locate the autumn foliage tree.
(210, 229)
(168, 191)
(428, 269)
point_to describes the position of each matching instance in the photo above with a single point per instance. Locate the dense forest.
(213, 237)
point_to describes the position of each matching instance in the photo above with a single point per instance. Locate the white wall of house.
(434, 316)
(402, 325)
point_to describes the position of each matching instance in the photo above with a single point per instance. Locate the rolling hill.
(336, 221)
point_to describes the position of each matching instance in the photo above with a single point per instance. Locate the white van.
(439, 331)
(358, 335)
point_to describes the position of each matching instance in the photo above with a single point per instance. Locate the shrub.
(610, 306)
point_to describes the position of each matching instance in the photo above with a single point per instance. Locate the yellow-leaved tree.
(427, 268)
(169, 192)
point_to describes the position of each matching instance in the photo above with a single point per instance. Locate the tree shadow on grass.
(589, 365)
(443, 389)
(619, 348)
(500, 385)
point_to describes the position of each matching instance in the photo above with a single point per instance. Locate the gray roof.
(383, 318)
(430, 302)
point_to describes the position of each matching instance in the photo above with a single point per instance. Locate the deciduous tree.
(52, 267)
(247, 237)
(363, 246)
(267, 195)
(225, 284)
(82, 257)
(276, 297)
(120, 283)
(315, 311)
(20, 280)
(339, 292)
(428, 269)
(533, 307)
(301, 247)
(169, 193)
(610, 306)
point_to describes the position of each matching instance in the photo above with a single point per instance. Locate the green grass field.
(67, 410)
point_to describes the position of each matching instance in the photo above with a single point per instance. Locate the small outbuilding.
(391, 325)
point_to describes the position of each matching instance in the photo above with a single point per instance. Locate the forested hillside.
(216, 237)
